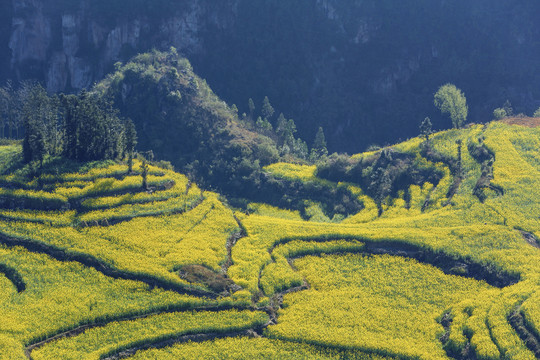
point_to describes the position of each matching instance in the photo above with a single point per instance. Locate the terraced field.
(93, 267)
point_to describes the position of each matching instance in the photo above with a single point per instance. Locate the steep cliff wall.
(70, 46)
(365, 70)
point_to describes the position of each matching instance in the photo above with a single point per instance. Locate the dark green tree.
(251, 106)
(499, 113)
(93, 130)
(33, 114)
(9, 109)
(144, 168)
(281, 126)
(4, 100)
(426, 128)
(131, 142)
(267, 111)
(263, 125)
(300, 149)
(459, 142)
(71, 125)
(507, 107)
(319, 150)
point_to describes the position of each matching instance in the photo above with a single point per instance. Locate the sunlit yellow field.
(434, 270)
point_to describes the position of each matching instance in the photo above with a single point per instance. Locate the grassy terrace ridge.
(445, 263)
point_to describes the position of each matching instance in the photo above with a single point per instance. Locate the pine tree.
(4, 100)
(281, 125)
(71, 125)
(33, 113)
(507, 107)
(131, 142)
(319, 150)
(300, 149)
(251, 106)
(267, 110)
(425, 128)
(144, 169)
(8, 103)
(92, 128)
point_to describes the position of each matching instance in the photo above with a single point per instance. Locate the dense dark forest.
(365, 71)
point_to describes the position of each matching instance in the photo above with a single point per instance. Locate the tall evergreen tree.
(33, 114)
(93, 130)
(281, 126)
(131, 142)
(9, 109)
(4, 98)
(319, 150)
(144, 169)
(71, 126)
(267, 111)
(251, 106)
(425, 128)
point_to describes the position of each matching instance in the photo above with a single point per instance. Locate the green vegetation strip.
(250, 348)
(13, 275)
(279, 274)
(171, 206)
(105, 341)
(91, 261)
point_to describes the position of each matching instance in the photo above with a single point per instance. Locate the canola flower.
(100, 342)
(164, 230)
(249, 348)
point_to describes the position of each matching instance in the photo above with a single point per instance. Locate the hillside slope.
(364, 70)
(180, 119)
(442, 266)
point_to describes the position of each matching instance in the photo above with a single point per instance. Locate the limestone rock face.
(71, 49)
(31, 32)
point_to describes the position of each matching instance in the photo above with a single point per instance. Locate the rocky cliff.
(70, 47)
(365, 70)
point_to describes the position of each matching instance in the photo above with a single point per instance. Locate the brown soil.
(530, 238)
(523, 121)
(199, 274)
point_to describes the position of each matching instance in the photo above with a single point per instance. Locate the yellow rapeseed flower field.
(92, 248)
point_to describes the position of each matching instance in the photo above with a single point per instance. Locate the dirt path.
(523, 121)
(231, 241)
(530, 239)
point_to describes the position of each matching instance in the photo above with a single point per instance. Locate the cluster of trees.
(451, 101)
(11, 103)
(283, 131)
(81, 127)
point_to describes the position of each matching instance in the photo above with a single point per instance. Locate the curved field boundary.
(528, 335)
(442, 261)
(448, 264)
(96, 323)
(200, 337)
(13, 275)
(113, 220)
(90, 261)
